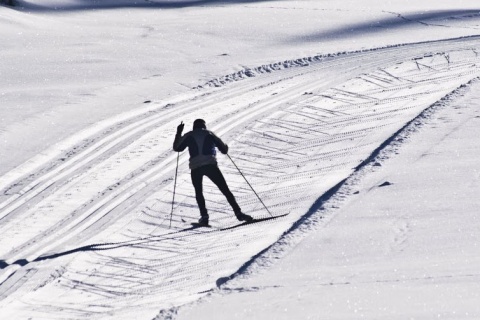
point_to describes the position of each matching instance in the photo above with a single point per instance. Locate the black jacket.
(201, 145)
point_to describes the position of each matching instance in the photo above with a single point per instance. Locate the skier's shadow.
(176, 235)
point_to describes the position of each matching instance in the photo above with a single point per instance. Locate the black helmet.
(199, 123)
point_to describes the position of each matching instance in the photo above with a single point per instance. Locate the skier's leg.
(197, 181)
(214, 173)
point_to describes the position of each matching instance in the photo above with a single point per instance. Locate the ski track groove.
(152, 177)
(119, 133)
(196, 106)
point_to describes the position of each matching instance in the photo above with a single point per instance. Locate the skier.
(201, 145)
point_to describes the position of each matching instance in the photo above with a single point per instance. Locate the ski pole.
(250, 185)
(174, 189)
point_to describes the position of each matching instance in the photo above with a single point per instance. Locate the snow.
(403, 249)
(359, 119)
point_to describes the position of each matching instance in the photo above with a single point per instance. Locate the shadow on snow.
(397, 20)
(176, 235)
(79, 5)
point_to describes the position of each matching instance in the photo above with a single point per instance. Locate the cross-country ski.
(237, 225)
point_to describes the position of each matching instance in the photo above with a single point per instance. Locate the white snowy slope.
(85, 222)
(399, 240)
(68, 64)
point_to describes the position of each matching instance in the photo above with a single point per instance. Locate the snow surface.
(359, 119)
(399, 240)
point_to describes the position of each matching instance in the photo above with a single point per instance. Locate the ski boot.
(203, 221)
(243, 217)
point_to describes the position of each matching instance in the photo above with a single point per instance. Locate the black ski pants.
(213, 173)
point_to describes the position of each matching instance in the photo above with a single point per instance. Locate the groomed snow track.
(85, 226)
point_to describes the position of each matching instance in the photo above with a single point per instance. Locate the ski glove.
(180, 128)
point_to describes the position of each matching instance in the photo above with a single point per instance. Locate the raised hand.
(180, 128)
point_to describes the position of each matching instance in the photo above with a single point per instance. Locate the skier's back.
(202, 145)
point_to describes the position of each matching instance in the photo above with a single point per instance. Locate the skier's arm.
(222, 146)
(179, 142)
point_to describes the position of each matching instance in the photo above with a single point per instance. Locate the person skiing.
(201, 145)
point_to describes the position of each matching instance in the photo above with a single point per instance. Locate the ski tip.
(265, 218)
